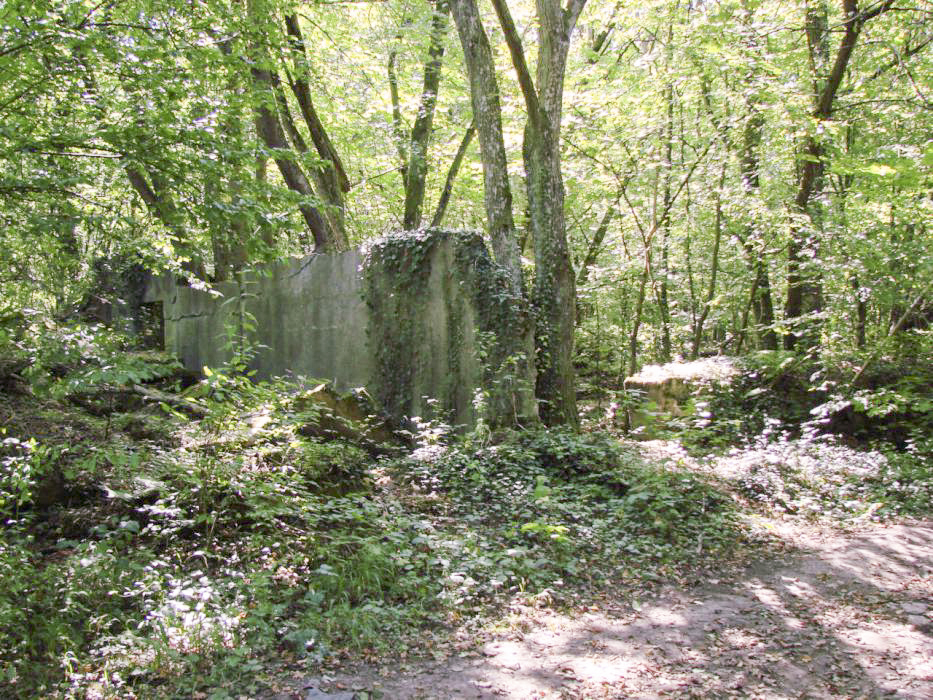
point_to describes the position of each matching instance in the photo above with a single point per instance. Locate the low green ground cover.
(146, 553)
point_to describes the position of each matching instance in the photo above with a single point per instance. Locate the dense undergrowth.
(798, 438)
(184, 549)
(149, 554)
(803, 440)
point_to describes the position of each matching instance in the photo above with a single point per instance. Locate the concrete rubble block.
(665, 392)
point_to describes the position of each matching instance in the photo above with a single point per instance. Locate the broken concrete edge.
(425, 321)
(659, 394)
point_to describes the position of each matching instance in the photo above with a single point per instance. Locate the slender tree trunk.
(266, 232)
(487, 112)
(714, 270)
(330, 177)
(861, 311)
(743, 324)
(270, 130)
(763, 306)
(761, 303)
(691, 282)
(452, 175)
(325, 185)
(421, 131)
(803, 283)
(595, 245)
(299, 85)
(663, 303)
(326, 231)
(637, 316)
(398, 131)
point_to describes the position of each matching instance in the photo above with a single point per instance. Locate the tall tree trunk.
(844, 182)
(665, 224)
(416, 172)
(639, 312)
(743, 324)
(266, 232)
(487, 113)
(299, 85)
(330, 178)
(272, 133)
(326, 230)
(762, 303)
(554, 292)
(595, 245)
(861, 311)
(803, 283)
(398, 133)
(714, 270)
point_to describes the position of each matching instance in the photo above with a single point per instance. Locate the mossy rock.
(665, 392)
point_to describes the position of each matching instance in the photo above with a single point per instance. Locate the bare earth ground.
(828, 615)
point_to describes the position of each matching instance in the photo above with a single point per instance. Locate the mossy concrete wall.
(425, 321)
(449, 338)
(309, 317)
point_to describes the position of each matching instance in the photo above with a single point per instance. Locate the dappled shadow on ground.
(838, 616)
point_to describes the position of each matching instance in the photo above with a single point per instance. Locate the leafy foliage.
(565, 507)
(177, 562)
(174, 566)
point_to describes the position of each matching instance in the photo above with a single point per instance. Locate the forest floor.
(775, 570)
(818, 612)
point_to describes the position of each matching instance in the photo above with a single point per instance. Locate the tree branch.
(421, 130)
(397, 132)
(272, 134)
(592, 250)
(302, 92)
(525, 81)
(452, 175)
(572, 14)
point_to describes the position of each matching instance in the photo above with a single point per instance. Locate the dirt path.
(835, 616)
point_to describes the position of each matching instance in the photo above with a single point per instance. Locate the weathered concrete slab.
(422, 320)
(667, 390)
(449, 338)
(309, 315)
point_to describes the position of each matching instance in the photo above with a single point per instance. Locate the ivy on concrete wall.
(443, 318)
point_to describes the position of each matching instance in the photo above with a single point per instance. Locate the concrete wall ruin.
(425, 321)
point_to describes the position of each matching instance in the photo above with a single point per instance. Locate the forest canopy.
(700, 177)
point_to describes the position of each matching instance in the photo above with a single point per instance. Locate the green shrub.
(552, 506)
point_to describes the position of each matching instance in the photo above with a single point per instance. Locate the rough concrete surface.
(309, 315)
(310, 318)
